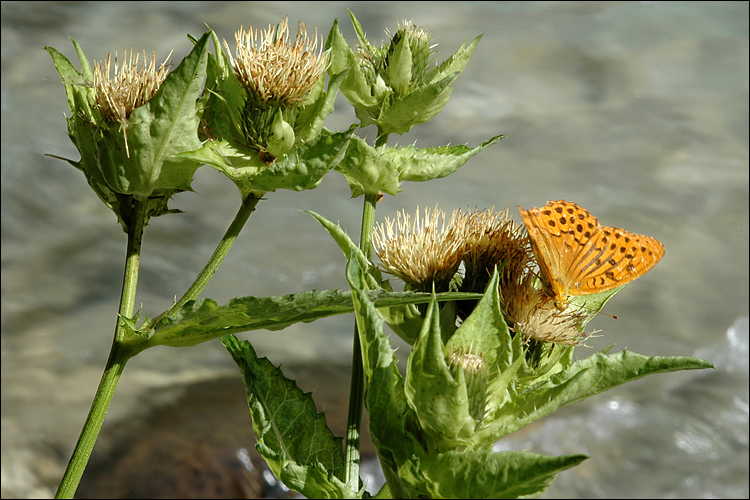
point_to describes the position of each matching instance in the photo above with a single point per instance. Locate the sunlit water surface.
(638, 111)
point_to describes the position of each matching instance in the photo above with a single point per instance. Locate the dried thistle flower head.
(493, 238)
(421, 252)
(129, 87)
(532, 314)
(273, 68)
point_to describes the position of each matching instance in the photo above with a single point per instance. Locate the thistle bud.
(395, 86)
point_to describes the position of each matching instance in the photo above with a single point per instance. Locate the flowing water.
(637, 111)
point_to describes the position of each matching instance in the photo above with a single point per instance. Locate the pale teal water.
(637, 110)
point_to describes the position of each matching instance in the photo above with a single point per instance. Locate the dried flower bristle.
(494, 239)
(421, 252)
(532, 314)
(129, 87)
(273, 68)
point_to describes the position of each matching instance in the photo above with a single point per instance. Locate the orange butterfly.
(577, 256)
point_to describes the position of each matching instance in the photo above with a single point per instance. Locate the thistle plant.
(266, 106)
(491, 350)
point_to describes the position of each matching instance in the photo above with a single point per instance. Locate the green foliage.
(200, 321)
(301, 169)
(370, 170)
(292, 436)
(391, 86)
(412, 463)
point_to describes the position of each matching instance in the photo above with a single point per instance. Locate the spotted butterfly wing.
(578, 256)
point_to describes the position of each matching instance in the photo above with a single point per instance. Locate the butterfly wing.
(613, 257)
(557, 231)
(578, 256)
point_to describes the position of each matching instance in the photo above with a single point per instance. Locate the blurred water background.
(637, 111)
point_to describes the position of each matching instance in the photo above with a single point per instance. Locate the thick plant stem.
(357, 387)
(243, 214)
(118, 356)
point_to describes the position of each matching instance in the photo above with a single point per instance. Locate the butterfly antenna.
(610, 315)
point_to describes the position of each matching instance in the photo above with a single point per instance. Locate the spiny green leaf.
(392, 424)
(584, 378)
(204, 320)
(303, 169)
(293, 437)
(370, 170)
(484, 331)
(455, 63)
(487, 474)
(439, 400)
(168, 125)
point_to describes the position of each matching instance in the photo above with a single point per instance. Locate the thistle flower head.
(273, 68)
(421, 252)
(494, 239)
(532, 314)
(129, 87)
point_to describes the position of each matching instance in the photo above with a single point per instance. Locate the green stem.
(357, 387)
(118, 357)
(243, 214)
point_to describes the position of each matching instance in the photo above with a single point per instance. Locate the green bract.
(394, 86)
(137, 157)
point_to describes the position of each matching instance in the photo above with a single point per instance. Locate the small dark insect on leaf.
(266, 157)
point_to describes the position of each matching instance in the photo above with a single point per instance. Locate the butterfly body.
(578, 256)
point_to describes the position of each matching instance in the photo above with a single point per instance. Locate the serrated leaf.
(303, 169)
(584, 378)
(74, 81)
(204, 320)
(397, 74)
(348, 247)
(168, 125)
(395, 439)
(293, 437)
(487, 474)
(455, 63)
(354, 86)
(424, 164)
(419, 106)
(369, 170)
(484, 331)
(310, 121)
(605, 371)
